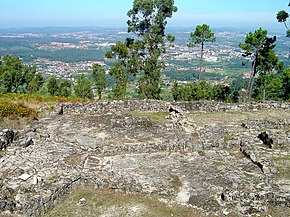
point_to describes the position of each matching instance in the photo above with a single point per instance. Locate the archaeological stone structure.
(221, 158)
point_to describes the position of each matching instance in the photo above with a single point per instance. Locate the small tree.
(222, 93)
(83, 88)
(261, 50)
(268, 87)
(282, 17)
(148, 19)
(14, 75)
(65, 88)
(35, 84)
(286, 84)
(99, 76)
(53, 86)
(57, 87)
(194, 91)
(126, 64)
(201, 35)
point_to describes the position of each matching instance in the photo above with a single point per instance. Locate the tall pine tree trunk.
(251, 79)
(201, 56)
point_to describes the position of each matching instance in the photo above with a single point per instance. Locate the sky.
(112, 13)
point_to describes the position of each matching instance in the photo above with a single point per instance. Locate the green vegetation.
(148, 20)
(272, 82)
(106, 202)
(56, 87)
(53, 86)
(15, 77)
(83, 88)
(137, 65)
(14, 110)
(228, 138)
(201, 35)
(204, 91)
(260, 48)
(53, 178)
(99, 76)
(124, 66)
(282, 17)
(286, 84)
(19, 106)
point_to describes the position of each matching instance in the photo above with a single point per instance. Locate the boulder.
(264, 137)
(2, 145)
(27, 142)
(8, 135)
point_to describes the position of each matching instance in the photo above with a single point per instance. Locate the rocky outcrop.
(221, 167)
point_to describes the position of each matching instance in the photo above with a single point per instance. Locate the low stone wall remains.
(162, 106)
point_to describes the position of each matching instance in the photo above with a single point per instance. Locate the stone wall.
(155, 105)
(40, 205)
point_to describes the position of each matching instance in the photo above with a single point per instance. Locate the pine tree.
(260, 48)
(148, 19)
(14, 75)
(99, 76)
(83, 88)
(121, 68)
(282, 17)
(201, 35)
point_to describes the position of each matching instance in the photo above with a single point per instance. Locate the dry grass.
(202, 119)
(282, 165)
(74, 159)
(113, 203)
(278, 211)
(175, 182)
(18, 109)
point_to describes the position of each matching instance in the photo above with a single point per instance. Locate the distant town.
(69, 54)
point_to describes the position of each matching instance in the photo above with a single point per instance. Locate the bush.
(15, 110)
(204, 91)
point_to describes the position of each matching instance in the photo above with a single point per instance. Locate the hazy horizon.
(112, 13)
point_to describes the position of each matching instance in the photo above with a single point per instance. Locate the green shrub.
(15, 110)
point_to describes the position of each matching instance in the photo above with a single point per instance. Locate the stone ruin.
(225, 168)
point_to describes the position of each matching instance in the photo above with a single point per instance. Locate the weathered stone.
(34, 180)
(24, 177)
(8, 135)
(27, 142)
(2, 145)
(219, 167)
(265, 139)
(82, 202)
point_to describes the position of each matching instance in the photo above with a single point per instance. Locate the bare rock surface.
(209, 158)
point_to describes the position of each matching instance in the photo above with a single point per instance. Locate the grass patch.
(218, 163)
(113, 203)
(228, 138)
(74, 159)
(280, 211)
(175, 182)
(201, 118)
(195, 135)
(16, 106)
(14, 110)
(153, 116)
(53, 178)
(282, 165)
